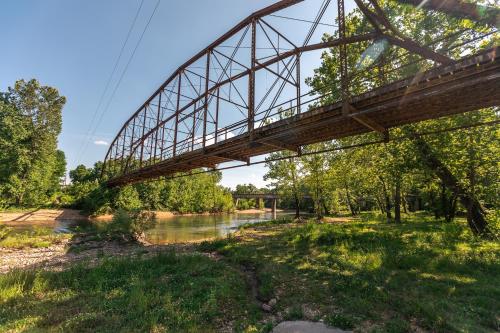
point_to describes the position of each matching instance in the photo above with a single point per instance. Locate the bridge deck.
(469, 84)
(265, 196)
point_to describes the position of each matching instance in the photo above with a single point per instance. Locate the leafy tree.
(30, 164)
(286, 177)
(128, 199)
(395, 163)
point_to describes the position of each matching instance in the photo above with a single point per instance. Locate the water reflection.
(195, 228)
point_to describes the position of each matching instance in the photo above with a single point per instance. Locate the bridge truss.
(245, 94)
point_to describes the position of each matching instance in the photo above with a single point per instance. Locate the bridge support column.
(274, 208)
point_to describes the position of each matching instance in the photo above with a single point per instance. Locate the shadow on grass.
(164, 292)
(378, 276)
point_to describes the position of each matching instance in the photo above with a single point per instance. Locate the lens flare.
(372, 53)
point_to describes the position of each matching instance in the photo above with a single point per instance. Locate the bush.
(131, 224)
(4, 231)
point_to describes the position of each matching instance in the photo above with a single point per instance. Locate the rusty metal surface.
(185, 124)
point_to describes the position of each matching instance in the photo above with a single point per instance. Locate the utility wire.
(125, 69)
(101, 99)
(301, 20)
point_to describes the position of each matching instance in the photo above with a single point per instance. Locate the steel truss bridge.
(245, 94)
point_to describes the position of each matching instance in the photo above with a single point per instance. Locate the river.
(181, 228)
(198, 227)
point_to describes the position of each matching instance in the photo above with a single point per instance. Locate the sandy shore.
(51, 215)
(41, 215)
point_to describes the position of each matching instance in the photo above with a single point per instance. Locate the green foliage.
(128, 199)
(393, 177)
(191, 194)
(30, 164)
(4, 231)
(131, 224)
(249, 203)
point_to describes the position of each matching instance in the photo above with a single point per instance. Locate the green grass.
(365, 275)
(188, 293)
(37, 237)
(376, 276)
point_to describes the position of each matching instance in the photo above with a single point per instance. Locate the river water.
(199, 227)
(170, 230)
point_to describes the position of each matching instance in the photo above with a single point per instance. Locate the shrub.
(131, 224)
(4, 231)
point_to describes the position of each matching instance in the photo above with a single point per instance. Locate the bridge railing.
(217, 95)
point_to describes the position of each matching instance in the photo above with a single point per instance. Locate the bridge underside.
(468, 84)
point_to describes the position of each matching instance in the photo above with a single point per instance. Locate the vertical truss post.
(177, 114)
(205, 109)
(297, 68)
(123, 149)
(251, 79)
(344, 83)
(162, 141)
(157, 122)
(142, 135)
(217, 117)
(194, 126)
(115, 167)
(124, 167)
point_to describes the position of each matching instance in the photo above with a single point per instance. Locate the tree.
(286, 176)
(315, 177)
(466, 180)
(30, 164)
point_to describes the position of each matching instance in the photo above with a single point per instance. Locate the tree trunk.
(297, 205)
(349, 201)
(380, 205)
(295, 192)
(387, 200)
(404, 202)
(475, 213)
(397, 201)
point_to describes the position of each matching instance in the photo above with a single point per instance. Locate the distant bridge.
(263, 196)
(220, 107)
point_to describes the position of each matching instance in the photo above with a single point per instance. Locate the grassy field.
(365, 275)
(189, 293)
(373, 276)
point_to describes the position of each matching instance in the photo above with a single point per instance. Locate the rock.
(266, 307)
(272, 302)
(301, 326)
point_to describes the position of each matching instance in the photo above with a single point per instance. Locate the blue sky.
(73, 46)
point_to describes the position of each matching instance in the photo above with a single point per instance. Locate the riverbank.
(66, 214)
(167, 214)
(41, 215)
(364, 275)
